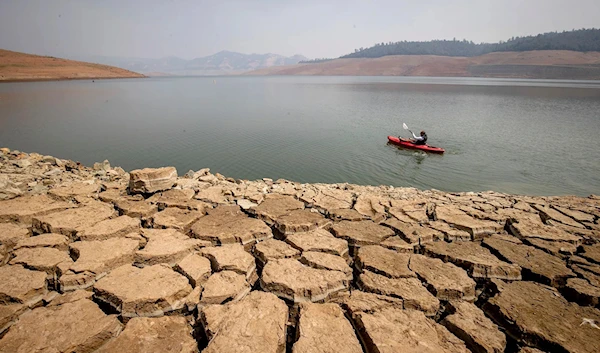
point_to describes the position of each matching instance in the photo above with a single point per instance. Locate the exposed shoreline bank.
(67, 79)
(106, 261)
(550, 64)
(17, 67)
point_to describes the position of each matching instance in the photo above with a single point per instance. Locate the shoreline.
(4, 152)
(68, 79)
(101, 258)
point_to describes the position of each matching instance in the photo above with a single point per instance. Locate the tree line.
(582, 40)
(315, 61)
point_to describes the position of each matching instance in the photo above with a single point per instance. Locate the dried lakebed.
(101, 260)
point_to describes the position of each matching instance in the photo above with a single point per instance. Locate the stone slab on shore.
(206, 263)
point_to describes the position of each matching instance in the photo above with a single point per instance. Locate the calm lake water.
(518, 136)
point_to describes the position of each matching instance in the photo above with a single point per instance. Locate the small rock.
(8, 189)
(201, 172)
(22, 163)
(151, 180)
(209, 178)
(104, 166)
(246, 204)
(49, 159)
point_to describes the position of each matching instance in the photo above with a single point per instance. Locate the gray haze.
(314, 28)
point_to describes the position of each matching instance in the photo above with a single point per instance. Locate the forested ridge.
(582, 40)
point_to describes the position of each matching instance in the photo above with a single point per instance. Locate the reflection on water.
(515, 136)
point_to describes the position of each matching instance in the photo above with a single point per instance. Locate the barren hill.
(16, 66)
(547, 64)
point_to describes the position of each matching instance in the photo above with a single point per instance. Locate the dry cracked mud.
(101, 260)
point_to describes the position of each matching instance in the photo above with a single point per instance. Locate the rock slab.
(72, 327)
(151, 180)
(324, 328)
(257, 323)
(291, 280)
(148, 291)
(540, 317)
(153, 335)
(471, 325)
(392, 330)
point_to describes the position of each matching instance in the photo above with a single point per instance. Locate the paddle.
(406, 128)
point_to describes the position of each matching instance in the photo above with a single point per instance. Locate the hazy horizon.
(191, 29)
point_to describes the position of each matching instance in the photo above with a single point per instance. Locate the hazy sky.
(314, 28)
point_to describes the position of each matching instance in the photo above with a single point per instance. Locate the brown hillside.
(16, 66)
(550, 64)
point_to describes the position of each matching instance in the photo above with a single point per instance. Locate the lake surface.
(532, 137)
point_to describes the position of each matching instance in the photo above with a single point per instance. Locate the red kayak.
(407, 144)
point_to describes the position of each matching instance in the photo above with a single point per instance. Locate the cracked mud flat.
(95, 259)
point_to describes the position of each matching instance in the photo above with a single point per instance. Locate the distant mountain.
(221, 63)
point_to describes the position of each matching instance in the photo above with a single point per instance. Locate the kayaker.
(419, 140)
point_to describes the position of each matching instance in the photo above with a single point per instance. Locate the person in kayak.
(419, 140)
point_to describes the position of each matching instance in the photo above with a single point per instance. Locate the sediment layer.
(91, 260)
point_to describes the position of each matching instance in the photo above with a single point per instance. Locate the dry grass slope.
(550, 64)
(16, 66)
